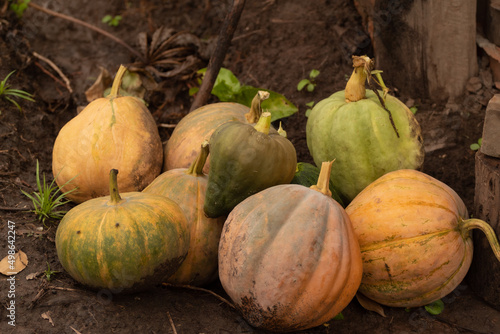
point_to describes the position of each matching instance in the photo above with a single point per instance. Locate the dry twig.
(57, 69)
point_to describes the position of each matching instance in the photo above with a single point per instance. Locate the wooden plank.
(426, 48)
(484, 273)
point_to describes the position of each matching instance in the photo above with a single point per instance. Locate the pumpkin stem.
(117, 82)
(113, 187)
(355, 88)
(264, 123)
(281, 131)
(255, 109)
(323, 185)
(196, 168)
(466, 226)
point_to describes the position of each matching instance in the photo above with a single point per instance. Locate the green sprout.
(476, 146)
(8, 93)
(112, 21)
(48, 198)
(309, 83)
(309, 106)
(19, 7)
(49, 273)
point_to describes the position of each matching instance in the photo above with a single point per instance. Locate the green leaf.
(313, 74)
(480, 141)
(310, 87)
(106, 19)
(302, 83)
(475, 146)
(310, 104)
(435, 308)
(414, 109)
(339, 316)
(226, 86)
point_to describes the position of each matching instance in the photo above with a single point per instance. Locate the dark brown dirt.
(276, 45)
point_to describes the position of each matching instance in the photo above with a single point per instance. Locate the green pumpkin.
(307, 175)
(365, 139)
(246, 159)
(123, 243)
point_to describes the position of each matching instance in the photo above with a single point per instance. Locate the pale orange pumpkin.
(111, 132)
(288, 257)
(182, 147)
(415, 238)
(187, 187)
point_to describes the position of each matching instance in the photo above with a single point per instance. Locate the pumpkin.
(182, 147)
(187, 188)
(124, 243)
(367, 138)
(111, 132)
(415, 238)
(289, 258)
(245, 160)
(307, 175)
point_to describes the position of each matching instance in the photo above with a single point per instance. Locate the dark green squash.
(246, 159)
(307, 174)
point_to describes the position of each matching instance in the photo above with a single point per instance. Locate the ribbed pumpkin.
(111, 132)
(182, 147)
(123, 243)
(366, 139)
(289, 258)
(245, 160)
(187, 188)
(415, 238)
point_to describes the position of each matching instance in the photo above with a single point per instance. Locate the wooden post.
(426, 48)
(484, 274)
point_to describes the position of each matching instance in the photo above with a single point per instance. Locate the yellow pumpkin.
(187, 187)
(415, 238)
(182, 147)
(112, 132)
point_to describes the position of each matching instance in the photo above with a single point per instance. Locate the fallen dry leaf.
(46, 315)
(370, 305)
(13, 266)
(33, 275)
(103, 81)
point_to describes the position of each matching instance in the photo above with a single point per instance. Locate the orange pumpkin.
(288, 257)
(182, 147)
(187, 188)
(415, 238)
(111, 132)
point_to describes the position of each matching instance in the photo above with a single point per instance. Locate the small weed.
(309, 106)
(48, 198)
(112, 21)
(8, 93)
(476, 146)
(310, 83)
(414, 109)
(19, 7)
(49, 273)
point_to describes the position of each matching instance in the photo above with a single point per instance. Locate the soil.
(277, 43)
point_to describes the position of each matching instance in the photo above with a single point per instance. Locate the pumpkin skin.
(125, 245)
(307, 175)
(289, 258)
(182, 147)
(111, 132)
(413, 237)
(244, 162)
(359, 135)
(187, 188)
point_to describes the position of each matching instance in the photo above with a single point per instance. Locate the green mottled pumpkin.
(367, 140)
(415, 238)
(186, 187)
(182, 147)
(245, 160)
(307, 175)
(123, 243)
(289, 258)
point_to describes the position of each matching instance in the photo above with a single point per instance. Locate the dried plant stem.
(190, 287)
(88, 25)
(215, 63)
(57, 69)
